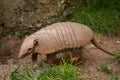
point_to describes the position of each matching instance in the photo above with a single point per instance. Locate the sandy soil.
(92, 58)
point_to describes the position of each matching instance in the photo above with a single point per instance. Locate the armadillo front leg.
(34, 57)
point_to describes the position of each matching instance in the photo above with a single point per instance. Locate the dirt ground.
(92, 58)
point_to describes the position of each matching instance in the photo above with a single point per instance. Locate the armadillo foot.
(76, 56)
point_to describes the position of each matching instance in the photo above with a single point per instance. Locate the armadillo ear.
(35, 42)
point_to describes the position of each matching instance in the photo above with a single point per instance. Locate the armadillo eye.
(30, 49)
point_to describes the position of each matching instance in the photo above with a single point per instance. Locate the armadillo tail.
(94, 42)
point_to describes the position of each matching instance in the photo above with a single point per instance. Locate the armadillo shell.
(62, 35)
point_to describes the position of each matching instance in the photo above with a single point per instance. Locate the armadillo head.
(28, 47)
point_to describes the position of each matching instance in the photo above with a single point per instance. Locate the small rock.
(30, 26)
(44, 1)
(118, 41)
(39, 25)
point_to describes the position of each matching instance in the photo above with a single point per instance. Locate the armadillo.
(58, 36)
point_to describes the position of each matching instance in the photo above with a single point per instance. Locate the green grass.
(17, 33)
(4, 45)
(102, 16)
(117, 56)
(114, 77)
(47, 72)
(105, 69)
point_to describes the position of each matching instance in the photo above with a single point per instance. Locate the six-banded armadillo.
(56, 37)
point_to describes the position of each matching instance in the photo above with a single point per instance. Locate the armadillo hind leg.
(56, 57)
(34, 57)
(76, 55)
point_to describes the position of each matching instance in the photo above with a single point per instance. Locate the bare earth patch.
(92, 58)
